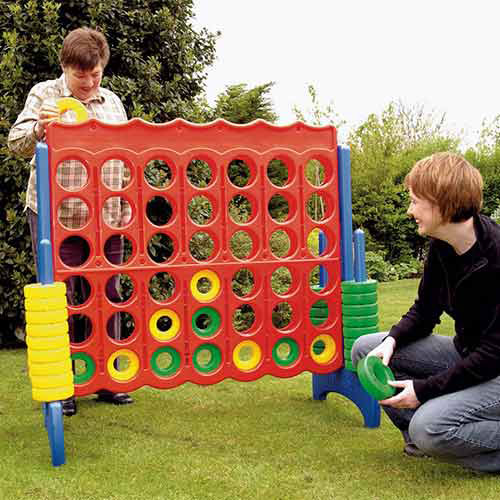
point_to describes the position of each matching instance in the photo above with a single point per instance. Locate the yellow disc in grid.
(172, 330)
(252, 362)
(323, 349)
(130, 371)
(214, 288)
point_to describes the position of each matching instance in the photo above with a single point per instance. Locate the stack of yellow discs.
(49, 361)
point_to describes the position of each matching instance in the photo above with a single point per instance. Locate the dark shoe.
(410, 448)
(413, 451)
(116, 398)
(69, 407)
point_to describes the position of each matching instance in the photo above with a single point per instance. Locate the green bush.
(17, 267)
(382, 214)
(379, 269)
(410, 269)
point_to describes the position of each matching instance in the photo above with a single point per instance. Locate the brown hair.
(84, 48)
(449, 181)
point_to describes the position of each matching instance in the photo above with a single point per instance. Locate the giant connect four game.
(219, 276)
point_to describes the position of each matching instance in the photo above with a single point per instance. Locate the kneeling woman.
(448, 406)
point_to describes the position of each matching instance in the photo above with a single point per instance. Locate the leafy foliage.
(486, 157)
(379, 269)
(383, 150)
(318, 115)
(238, 104)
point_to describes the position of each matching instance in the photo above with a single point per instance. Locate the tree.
(317, 115)
(486, 157)
(239, 104)
(158, 67)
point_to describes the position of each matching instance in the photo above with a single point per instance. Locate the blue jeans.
(462, 427)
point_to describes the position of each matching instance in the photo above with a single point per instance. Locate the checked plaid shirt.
(71, 174)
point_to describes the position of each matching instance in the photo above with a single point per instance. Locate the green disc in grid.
(206, 321)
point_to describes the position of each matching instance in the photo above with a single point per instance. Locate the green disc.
(206, 321)
(347, 355)
(360, 321)
(352, 332)
(320, 309)
(359, 287)
(290, 352)
(374, 375)
(173, 357)
(348, 365)
(85, 376)
(317, 321)
(318, 313)
(359, 310)
(359, 298)
(209, 351)
(348, 343)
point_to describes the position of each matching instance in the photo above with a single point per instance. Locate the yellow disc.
(46, 317)
(69, 104)
(49, 356)
(44, 343)
(252, 362)
(50, 304)
(51, 381)
(164, 334)
(130, 371)
(328, 349)
(53, 329)
(214, 288)
(39, 291)
(56, 394)
(59, 367)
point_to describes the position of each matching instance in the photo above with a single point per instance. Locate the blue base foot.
(53, 418)
(346, 382)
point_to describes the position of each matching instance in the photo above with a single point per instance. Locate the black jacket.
(474, 304)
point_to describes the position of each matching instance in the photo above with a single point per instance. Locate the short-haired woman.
(448, 404)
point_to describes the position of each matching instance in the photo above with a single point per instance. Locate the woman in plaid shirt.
(83, 57)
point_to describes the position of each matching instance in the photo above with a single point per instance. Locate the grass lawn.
(261, 440)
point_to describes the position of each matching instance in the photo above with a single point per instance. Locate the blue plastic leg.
(55, 429)
(346, 383)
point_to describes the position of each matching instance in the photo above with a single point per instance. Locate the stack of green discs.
(359, 313)
(319, 312)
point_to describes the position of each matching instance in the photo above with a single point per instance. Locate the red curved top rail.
(180, 135)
